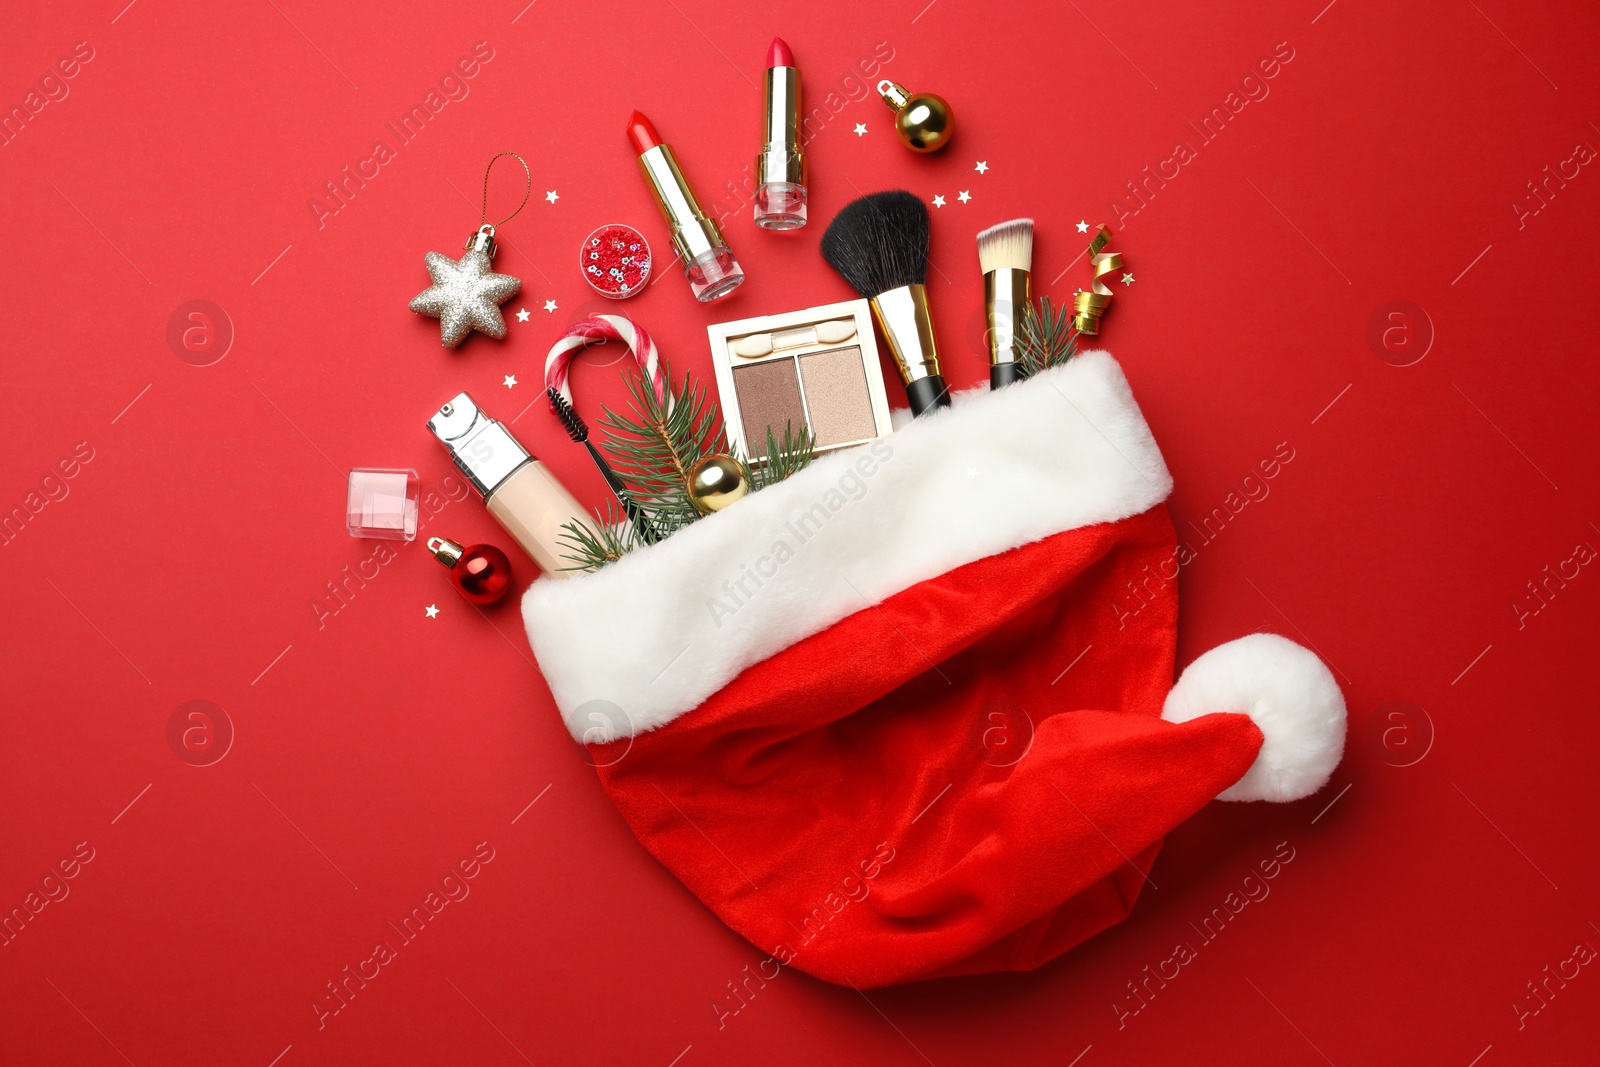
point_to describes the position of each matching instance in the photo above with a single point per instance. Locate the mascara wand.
(578, 430)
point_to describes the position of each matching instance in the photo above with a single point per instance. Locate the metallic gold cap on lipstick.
(707, 260)
(781, 164)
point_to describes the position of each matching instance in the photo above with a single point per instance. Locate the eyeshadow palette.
(818, 368)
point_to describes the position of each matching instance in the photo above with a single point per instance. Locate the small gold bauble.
(922, 121)
(715, 482)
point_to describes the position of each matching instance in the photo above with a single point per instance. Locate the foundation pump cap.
(482, 448)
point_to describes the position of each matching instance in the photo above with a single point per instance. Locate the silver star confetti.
(465, 296)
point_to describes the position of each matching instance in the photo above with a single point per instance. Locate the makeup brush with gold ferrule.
(879, 244)
(1005, 252)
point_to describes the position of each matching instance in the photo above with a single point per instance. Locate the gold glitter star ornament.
(466, 295)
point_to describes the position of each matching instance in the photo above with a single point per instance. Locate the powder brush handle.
(927, 395)
(1003, 374)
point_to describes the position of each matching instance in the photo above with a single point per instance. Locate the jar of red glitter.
(615, 260)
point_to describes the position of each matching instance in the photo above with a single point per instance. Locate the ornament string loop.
(1088, 305)
(527, 191)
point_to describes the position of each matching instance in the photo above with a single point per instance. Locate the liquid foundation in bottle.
(519, 491)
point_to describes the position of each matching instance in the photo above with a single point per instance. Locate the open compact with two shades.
(816, 368)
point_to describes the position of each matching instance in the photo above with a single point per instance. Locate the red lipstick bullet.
(642, 134)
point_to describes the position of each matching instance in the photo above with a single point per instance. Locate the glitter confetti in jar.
(615, 260)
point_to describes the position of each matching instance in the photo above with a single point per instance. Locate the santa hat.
(910, 713)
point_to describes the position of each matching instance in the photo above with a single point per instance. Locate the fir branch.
(782, 461)
(590, 547)
(1046, 337)
(654, 447)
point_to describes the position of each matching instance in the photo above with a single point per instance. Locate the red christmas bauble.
(480, 573)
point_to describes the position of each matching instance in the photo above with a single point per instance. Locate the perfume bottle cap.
(482, 448)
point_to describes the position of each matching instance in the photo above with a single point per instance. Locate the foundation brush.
(1005, 252)
(879, 244)
(578, 430)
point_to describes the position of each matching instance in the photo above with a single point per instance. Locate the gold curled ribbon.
(1088, 305)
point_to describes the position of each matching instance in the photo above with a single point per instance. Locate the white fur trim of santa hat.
(1291, 697)
(633, 645)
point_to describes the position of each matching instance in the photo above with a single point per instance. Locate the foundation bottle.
(519, 491)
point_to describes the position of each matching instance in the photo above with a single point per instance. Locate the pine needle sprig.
(781, 461)
(589, 548)
(653, 447)
(1046, 337)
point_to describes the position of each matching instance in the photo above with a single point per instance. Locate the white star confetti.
(861, 129)
(511, 379)
(522, 314)
(431, 611)
(550, 306)
(1083, 227)
(938, 201)
(963, 196)
(551, 197)
(1127, 279)
(982, 167)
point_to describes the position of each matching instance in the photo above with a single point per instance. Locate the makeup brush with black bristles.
(1005, 252)
(879, 244)
(578, 430)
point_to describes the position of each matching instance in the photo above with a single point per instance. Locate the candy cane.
(596, 328)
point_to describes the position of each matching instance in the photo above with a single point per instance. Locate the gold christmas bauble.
(715, 482)
(922, 121)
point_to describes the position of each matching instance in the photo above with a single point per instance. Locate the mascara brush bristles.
(578, 430)
(570, 420)
(1006, 246)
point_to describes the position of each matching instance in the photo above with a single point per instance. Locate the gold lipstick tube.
(781, 165)
(902, 315)
(707, 260)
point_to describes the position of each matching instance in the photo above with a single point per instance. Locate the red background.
(373, 752)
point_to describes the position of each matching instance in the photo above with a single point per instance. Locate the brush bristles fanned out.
(1008, 245)
(879, 242)
(576, 428)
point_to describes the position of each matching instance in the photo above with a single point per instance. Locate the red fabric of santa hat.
(910, 713)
